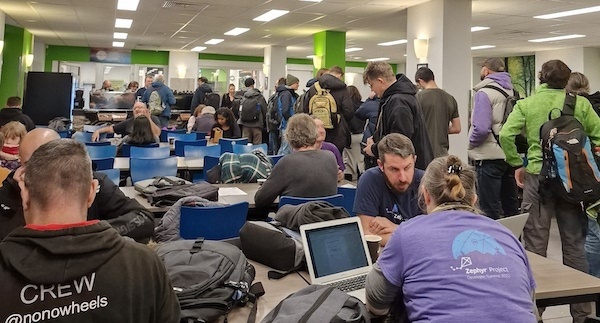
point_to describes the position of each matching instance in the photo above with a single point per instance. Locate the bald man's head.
(33, 140)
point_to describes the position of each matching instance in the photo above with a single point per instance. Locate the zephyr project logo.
(471, 244)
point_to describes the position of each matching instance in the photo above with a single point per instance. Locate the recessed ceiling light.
(569, 13)
(214, 41)
(272, 14)
(353, 49)
(120, 35)
(478, 28)
(541, 40)
(482, 47)
(236, 31)
(118, 44)
(123, 23)
(394, 42)
(378, 59)
(198, 49)
(130, 5)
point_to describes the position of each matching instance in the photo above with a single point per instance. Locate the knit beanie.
(291, 80)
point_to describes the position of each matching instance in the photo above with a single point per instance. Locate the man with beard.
(388, 195)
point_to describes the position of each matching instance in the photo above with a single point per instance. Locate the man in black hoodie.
(63, 268)
(13, 112)
(200, 93)
(398, 112)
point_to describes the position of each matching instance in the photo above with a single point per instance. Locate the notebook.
(337, 254)
(515, 223)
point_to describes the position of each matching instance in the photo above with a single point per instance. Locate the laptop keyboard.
(350, 284)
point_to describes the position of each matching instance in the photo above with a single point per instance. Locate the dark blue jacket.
(369, 110)
(166, 95)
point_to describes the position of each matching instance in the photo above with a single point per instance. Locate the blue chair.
(349, 196)
(226, 144)
(102, 151)
(337, 200)
(126, 149)
(149, 152)
(213, 223)
(113, 174)
(103, 163)
(181, 136)
(275, 158)
(209, 163)
(90, 128)
(165, 133)
(201, 151)
(146, 168)
(97, 143)
(242, 149)
(180, 145)
(200, 135)
(65, 134)
(84, 136)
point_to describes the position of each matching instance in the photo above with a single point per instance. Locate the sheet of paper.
(230, 191)
(348, 185)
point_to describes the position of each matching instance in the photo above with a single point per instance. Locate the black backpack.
(509, 104)
(273, 118)
(212, 99)
(569, 166)
(209, 278)
(251, 109)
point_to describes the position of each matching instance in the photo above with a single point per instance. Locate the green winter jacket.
(531, 113)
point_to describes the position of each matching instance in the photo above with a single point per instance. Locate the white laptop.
(515, 223)
(337, 254)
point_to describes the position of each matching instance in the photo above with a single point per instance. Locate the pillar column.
(329, 49)
(274, 67)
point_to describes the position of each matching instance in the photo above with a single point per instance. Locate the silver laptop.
(337, 254)
(515, 223)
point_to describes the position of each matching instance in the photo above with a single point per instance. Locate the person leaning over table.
(453, 264)
(307, 172)
(126, 127)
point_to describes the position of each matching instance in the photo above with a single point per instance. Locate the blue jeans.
(285, 148)
(496, 188)
(592, 247)
(273, 142)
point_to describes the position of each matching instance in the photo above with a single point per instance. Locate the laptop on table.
(337, 254)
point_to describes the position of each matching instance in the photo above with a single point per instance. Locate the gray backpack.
(319, 304)
(209, 277)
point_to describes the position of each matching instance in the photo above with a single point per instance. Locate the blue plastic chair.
(200, 135)
(275, 158)
(201, 151)
(84, 136)
(209, 163)
(165, 133)
(113, 174)
(65, 134)
(103, 163)
(226, 144)
(149, 152)
(146, 168)
(126, 149)
(181, 136)
(213, 223)
(349, 196)
(90, 128)
(180, 145)
(103, 151)
(336, 200)
(97, 143)
(242, 149)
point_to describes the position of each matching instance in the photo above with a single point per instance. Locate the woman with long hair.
(225, 121)
(228, 97)
(142, 133)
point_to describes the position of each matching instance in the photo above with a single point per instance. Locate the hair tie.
(454, 169)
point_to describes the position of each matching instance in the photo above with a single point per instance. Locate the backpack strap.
(318, 87)
(254, 293)
(569, 105)
(493, 87)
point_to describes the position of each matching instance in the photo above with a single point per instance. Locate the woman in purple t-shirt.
(324, 145)
(452, 265)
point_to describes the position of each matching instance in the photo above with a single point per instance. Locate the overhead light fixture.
(272, 14)
(118, 44)
(482, 47)
(123, 23)
(353, 49)
(378, 59)
(214, 41)
(236, 31)
(198, 49)
(478, 28)
(129, 5)
(120, 35)
(394, 42)
(421, 47)
(569, 13)
(541, 40)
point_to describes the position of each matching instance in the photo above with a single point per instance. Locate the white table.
(183, 163)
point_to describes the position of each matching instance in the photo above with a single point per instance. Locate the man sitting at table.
(126, 127)
(388, 195)
(307, 172)
(124, 214)
(62, 267)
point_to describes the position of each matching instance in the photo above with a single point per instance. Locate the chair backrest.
(349, 196)
(275, 158)
(180, 144)
(103, 163)
(149, 152)
(104, 151)
(164, 134)
(200, 134)
(241, 149)
(126, 148)
(90, 128)
(146, 168)
(64, 133)
(201, 151)
(336, 200)
(227, 144)
(113, 174)
(84, 136)
(181, 136)
(97, 143)
(213, 223)
(209, 163)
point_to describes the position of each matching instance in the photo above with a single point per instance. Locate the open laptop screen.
(336, 249)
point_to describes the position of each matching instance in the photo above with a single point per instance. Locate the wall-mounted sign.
(104, 55)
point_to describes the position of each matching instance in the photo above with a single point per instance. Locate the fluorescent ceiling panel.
(478, 28)
(541, 40)
(569, 13)
(123, 23)
(377, 59)
(214, 41)
(482, 47)
(272, 14)
(394, 42)
(129, 5)
(118, 44)
(236, 31)
(198, 49)
(120, 35)
(353, 49)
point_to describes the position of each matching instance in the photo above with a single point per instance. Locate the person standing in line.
(227, 100)
(286, 98)
(200, 93)
(353, 158)
(166, 96)
(253, 99)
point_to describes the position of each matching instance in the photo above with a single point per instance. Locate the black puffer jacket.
(594, 99)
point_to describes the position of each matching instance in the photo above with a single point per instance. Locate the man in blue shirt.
(388, 194)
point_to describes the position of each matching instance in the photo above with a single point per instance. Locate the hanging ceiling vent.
(183, 5)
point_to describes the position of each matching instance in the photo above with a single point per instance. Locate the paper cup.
(373, 242)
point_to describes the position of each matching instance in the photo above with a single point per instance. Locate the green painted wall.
(13, 66)
(331, 47)
(149, 57)
(82, 54)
